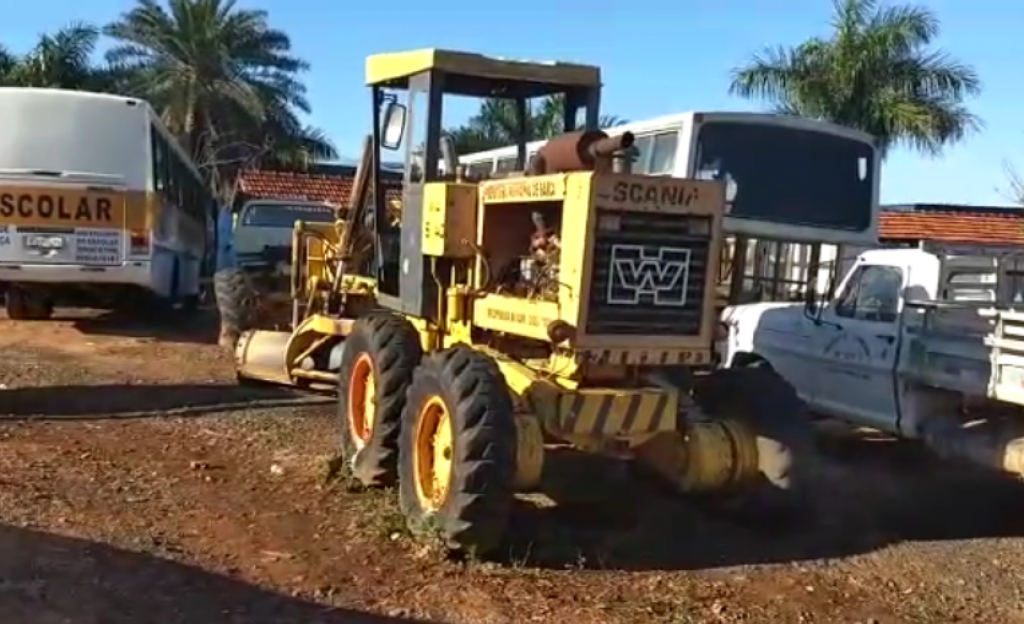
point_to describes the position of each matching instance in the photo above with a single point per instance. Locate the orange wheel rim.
(433, 454)
(362, 404)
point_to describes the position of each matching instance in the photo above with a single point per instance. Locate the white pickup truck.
(920, 344)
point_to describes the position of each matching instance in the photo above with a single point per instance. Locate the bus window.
(159, 161)
(663, 154)
(506, 164)
(479, 170)
(643, 146)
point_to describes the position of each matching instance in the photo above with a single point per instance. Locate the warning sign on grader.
(541, 188)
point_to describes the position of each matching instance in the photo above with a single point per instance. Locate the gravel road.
(118, 505)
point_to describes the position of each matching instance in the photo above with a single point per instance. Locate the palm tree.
(221, 78)
(8, 63)
(876, 72)
(495, 124)
(62, 60)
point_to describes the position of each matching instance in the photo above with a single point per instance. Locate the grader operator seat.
(409, 100)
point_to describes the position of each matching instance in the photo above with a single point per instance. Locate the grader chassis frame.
(477, 322)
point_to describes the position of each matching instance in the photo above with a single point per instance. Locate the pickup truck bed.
(969, 347)
(945, 345)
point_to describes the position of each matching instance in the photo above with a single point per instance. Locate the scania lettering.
(99, 206)
(637, 193)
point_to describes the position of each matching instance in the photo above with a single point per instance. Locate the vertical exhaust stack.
(451, 159)
(591, 150)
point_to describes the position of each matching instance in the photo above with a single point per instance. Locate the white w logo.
(658, 274)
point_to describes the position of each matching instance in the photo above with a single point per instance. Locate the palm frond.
(876, 72)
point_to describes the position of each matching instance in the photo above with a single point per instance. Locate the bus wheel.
(25, 305)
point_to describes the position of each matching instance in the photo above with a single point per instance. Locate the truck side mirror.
(811, 305)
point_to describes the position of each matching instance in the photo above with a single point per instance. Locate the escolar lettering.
(47, 207)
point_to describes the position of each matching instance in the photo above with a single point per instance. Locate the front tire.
(458, 451)
(376, 367)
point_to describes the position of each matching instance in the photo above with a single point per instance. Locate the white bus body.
(98, 204)
(790, 178)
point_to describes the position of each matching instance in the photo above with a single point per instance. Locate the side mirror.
(813, 300)
(393, 126)
(811, 307)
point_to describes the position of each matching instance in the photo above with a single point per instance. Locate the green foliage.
(62, 60)
(495, 124)
(875, 72)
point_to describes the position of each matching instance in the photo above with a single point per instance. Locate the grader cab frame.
(427, 77)
(477, 322)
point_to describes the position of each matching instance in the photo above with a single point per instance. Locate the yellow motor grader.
(475, 324)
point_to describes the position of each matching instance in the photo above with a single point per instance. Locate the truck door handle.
(886, 337)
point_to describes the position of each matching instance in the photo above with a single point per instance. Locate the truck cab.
(906, 339)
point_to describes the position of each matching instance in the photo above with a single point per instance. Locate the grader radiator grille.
(648, 274)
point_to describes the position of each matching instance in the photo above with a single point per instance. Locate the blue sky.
(658, 57)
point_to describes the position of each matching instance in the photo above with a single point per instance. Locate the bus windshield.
(789, 175)
(285, 215)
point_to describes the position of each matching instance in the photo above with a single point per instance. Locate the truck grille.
(648, 274)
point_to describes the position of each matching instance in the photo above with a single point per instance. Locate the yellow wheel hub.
(433, 453)
(362, 404)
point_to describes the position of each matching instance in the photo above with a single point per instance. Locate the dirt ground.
(136, 485)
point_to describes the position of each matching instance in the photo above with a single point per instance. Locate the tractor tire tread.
(236, 299)
(394, 346)
(474, 516)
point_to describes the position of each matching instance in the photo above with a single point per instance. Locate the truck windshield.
(788, 175)
(285, 216)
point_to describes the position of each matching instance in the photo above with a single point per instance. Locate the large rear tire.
(760, 398)
(376, 367)
(458, 451)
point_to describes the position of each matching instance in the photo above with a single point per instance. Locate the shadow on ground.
(46, 578)
(868, 494)
(201, 327)
(140, 400)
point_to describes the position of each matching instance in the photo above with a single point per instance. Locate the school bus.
(99, 206)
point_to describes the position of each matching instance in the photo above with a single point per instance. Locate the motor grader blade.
(262, 355)
(307, 357)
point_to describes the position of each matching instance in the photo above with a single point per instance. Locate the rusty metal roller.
(578, 151)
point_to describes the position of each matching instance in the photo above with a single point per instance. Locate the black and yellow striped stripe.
(609, 413)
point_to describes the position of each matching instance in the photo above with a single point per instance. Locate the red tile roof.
(954, 226)
(333, 189)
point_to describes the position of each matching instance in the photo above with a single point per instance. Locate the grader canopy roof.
(477, 75)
